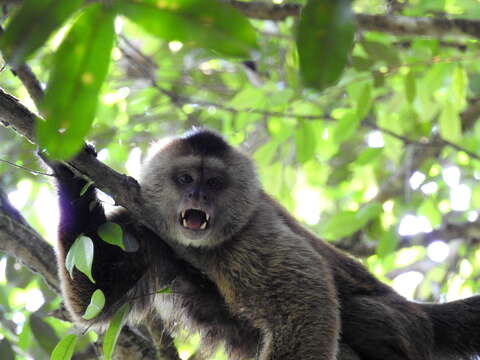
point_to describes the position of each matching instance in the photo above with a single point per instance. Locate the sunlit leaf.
(206, 23)
(65, 348)
(346, 126)
(31, 26)
(43, 333)
(305, 141)
(387, 244)
(111, 335)
(324, 41)
(79, 69)
(81, 256)
(97, 302)
(166, 290)
(347, 222)
(111, 233)
(450, 123)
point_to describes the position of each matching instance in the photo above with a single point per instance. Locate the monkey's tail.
(456, 327)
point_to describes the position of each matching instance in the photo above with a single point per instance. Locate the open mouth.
(194, 219)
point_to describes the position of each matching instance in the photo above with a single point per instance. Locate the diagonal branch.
(400, 25)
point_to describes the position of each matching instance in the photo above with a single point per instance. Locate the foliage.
(374, 162)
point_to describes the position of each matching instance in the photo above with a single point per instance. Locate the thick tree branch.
(401, 25)
(21, 241)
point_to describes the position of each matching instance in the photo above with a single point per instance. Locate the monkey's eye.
(215, 182)
(184, 179)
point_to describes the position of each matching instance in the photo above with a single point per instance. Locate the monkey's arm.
(114, 271)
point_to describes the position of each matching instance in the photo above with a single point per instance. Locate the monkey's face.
(200, 200)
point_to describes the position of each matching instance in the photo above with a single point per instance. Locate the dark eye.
(184, 179)
(215, 183)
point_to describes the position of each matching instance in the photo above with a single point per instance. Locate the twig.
(35, 172)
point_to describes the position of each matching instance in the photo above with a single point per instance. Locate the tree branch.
(20, 240)
(401, 25)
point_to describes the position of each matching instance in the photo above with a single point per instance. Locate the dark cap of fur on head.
(205, 142)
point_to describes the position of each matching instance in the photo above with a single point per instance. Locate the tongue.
(194, 223)
(194, 220)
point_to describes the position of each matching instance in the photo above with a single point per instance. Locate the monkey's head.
(201, 190)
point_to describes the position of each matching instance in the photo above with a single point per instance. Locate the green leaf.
(80, 66)
(380, 51)
(81, 255)
(70, 261)
(346, 126)
(459, 87)
(387, 244)
(43, 333)
(111, 233)
(86, 187)
(305, 141)
(32, 25)
(65, 348)
(410, 86)
(6, 351)
(324, 41)
(114, 328)
(450, 123)
(97, 302)
(347, 222)
(166, 290)
(205, 23)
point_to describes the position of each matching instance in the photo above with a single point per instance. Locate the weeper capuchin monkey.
(244, 272)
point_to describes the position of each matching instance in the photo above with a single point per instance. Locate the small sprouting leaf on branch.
(114, 328)
(65, 348)
(79, 69)
(32, 25)
(80, 256)
(205, 23)
(97, 302)
(112, 233)
(324, 41)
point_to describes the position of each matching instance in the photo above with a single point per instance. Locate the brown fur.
(257, 280)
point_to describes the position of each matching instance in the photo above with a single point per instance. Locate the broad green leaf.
(31, 26)
(6, 351)
(43, 333)
(206, 23)
(380, 51)
(79, 69)
(65, 348)
(429, 208)
(450, 123)
(324, 41)
(368, 155)
(364, 101)
(97, 302)
(347, 222)
(346, 126)
(305, 141)
(387, 244)
(114, 328)
(81, 255)
(111, 233)
(166, 290)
